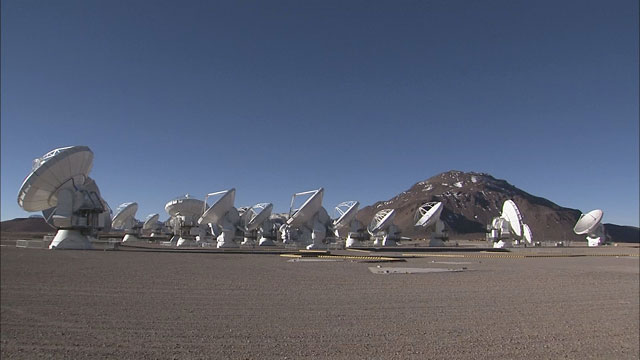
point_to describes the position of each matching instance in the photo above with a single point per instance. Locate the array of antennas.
(508, 229)
(124, 220)
(59, 185)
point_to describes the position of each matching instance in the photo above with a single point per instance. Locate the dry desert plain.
(150, 305)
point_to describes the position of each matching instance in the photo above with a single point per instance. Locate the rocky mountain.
(471, 200)
(31, 224)
(620, 233)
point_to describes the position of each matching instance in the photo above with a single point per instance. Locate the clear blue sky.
(363, 98)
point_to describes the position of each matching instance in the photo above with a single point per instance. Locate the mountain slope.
(32, 224)
(471, 200)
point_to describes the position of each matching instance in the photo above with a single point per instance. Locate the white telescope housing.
(59, 185)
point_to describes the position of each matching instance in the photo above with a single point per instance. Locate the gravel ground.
(122, 304)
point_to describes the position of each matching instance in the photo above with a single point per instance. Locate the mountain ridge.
(472, 199)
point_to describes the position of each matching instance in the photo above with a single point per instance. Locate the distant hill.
(30, 224)
(471, 200)
(623, 233)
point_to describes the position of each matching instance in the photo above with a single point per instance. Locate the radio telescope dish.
(381, 220)
(184, 212)
(307, 210)
(185, 206)
(588, 222)
(258, 225)
(512, 214)
(381, 227)
(59, 185)
(219, 208)
(347, 222)
(428, 214)
(347, 211)
(63, 167)
(224, 216)
(151, 222)
(309, 223)
(258, 214)
(123, 219)
(526, 233)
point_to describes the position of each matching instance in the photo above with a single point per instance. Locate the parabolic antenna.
(185, 206)
(307, 210)
(124, 215)
(151, 221)
(214, 214)
(526, 233)
(62, 167)
(428, 214)
(381, 220)
(512, 214)
(347, 211)
(257, 214)
(588, 222)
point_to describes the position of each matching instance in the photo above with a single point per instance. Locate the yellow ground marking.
(359, 250)
(515, 256)
(350, 257)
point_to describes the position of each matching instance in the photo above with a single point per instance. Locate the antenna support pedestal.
(70, 239)
(130, 237)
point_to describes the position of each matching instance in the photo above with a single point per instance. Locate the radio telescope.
(590, 224)
(347, 223)
(59, 185)
(184, 212)
(382, 228)
(151, 224)
(258, 225)
(223, 216)
(508, 227)
(428, 216)
(307, 224)
(124, 219)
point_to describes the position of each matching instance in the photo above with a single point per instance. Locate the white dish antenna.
(59, 185)
(588, 223)
(57, 169)
(512, 214)
(185, 206)
(257, 214)
(428, 214)
(381, 220)
(307, 210)
(347, 211)
(124, 217)
(151, 222)
(526, 233)
(217, 211)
